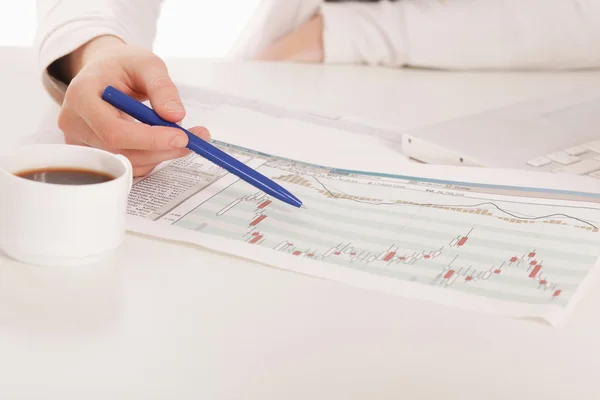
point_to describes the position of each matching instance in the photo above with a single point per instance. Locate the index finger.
(150, 75)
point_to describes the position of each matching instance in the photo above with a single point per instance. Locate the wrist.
(89, 52)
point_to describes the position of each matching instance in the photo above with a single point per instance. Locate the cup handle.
(128, 167)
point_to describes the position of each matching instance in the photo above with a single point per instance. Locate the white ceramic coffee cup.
(53, 224)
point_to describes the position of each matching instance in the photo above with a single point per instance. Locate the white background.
(215, 23)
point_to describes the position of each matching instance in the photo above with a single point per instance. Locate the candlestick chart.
(504, 244)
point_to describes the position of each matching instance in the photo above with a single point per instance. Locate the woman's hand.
(305, 44)
(86, 119)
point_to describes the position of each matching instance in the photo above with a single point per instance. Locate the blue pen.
(146, 115)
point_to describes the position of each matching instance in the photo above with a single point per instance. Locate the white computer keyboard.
(578, 160)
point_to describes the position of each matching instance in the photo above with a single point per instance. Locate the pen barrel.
(132, 107)
(220, 158)
(238, 168)
(148, 116)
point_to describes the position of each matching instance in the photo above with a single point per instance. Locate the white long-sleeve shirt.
(446, 34)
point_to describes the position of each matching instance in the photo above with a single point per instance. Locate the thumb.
(150, 76)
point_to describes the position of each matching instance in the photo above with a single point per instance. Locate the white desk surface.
(164, 321)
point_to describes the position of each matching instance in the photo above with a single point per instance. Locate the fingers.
(142, 74)
(101, 126)
(201, 132)
(75, 130)
(117, 133)
(143, 170)
(151, 77)
(86, 119)
(145, 161)
(140, 158)
(148, 160)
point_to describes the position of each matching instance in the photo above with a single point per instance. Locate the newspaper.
(516, 248)
(526, 246)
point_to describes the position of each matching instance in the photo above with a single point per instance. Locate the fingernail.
(173, 105)
(179, 141)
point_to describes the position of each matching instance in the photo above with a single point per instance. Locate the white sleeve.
(464, 34)
(65, 25)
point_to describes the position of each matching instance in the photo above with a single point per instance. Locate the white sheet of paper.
(526, 246)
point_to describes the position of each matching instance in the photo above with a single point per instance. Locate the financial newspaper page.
(526, 247)
(514, 250)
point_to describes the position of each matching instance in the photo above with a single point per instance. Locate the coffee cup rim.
(103, 153)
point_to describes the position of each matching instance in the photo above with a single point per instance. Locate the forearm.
(460, 34)
(64, 26)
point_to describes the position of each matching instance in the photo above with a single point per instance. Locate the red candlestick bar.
(257, 220)
(535, 271)
(449, 274)
(264, 204)
(256, 239)
(462, 241)
(389, 256)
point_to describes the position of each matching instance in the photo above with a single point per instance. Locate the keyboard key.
(563, 158)
(595, 174)
(539, 162)
(593, 146)
(576, 151)
(581, 168)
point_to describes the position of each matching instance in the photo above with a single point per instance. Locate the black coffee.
(65, 176)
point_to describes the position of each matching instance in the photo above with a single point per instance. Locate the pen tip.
(290, 199)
